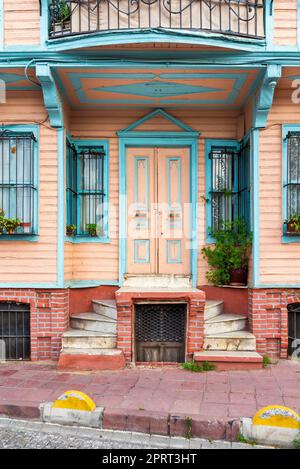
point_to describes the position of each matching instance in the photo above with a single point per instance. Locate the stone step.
(157, 280)
(105, 307)
(88, 359)
(230, 360)
(80, 339)
(225, 323)
(213, 308)
(93, 322)
(230, 341)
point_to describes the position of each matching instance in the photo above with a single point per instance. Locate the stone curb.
(158, 423)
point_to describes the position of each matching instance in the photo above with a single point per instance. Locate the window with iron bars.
(292, 176)
(18, 183)
(86, 189)
(229, 185)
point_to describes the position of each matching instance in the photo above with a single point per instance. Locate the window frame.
(209, 144)
(286, 128)
(79, 144)
(25, 129)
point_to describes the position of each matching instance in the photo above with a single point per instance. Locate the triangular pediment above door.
(158, 122)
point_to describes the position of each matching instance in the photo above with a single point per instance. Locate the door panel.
(158, 196)
(141, 244)
(174, 197)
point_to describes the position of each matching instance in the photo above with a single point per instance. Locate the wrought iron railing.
(233, 17)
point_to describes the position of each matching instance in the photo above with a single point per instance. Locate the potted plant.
(60, 15)
(293, 223)
(229, 257)
(71, 230)
(26, 226)
(91, 229)
(11, 225)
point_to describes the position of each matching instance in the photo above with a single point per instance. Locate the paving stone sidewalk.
(15, 434)
(140, 394)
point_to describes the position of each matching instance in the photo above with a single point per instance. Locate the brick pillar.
(49, 318)
(124, 327)
(195, 326)
(268, 319)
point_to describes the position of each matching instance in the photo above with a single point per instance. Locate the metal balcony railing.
(241, 18)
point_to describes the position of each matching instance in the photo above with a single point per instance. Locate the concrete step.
(87, 359)
(93, 322)
(225, 323)
(213, 308)
(230, 360)
(157, 281)
(105, 307)
(80, 339)
(238, 340)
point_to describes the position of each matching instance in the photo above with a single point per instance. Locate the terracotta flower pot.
(239, 277)
(291, 228)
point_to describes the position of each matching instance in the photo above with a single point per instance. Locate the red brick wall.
(125, 315)
(268, 319)
(49, 318)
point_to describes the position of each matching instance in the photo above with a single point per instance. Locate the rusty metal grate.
(15, 330)
(160, 331)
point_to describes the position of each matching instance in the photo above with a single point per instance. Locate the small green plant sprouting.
(266, 361)
(11, 224)
(71, 229)
(189, 428)
(196, 368)
(293, 223)
(242, 439)
(91, 229)
(296, 442)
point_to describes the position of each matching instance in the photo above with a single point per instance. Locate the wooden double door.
(158, 210)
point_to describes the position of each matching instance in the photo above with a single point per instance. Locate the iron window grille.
(244, 18)
(292, 185)
(86, 190)
(18, 179)
(14, 331)
(230, 185)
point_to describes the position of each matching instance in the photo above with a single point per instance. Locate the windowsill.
(291, 238)
(86, 239)
(19, 237)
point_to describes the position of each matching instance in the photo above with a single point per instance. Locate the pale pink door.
(158, 205)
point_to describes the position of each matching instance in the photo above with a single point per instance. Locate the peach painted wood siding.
(279, 263)
(22, 261)
(285, 22)
(94, 261)
(21, 22)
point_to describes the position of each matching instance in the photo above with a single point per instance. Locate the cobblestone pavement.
(22, 434)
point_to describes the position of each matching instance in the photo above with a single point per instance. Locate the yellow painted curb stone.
(74, 400)
(277, 416)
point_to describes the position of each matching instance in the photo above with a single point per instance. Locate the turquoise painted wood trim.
(61, 146)
(255, 207)
(278, 285)
(153, 141)
(90, 283)
(44, 18)
(28, 285)
(95, 143)
(86, 239)
(51, 96)
(209, 143)
(171, 260)
(137, 258)
(22, 128)
(136, 182)
(155, 35)
(157, 112)
(1, 25)
(269, 24)
(264, 99)
(286, 128)
(169, 160)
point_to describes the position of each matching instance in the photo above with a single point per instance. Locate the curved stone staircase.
(227, 340)
(90, 342)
